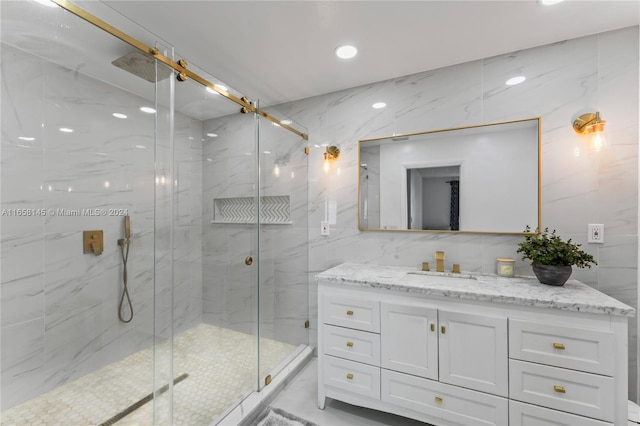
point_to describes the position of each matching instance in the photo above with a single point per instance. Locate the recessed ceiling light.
(26, 138)
(119, 115)
(140, 146)
(346, 51)
(550, 2)
(515, 80)
(379, 105)
(267, 152)
(212, 135)
(148, 110)
(66, 130)
(287, 122)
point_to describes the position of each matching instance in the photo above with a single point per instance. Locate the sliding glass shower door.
(85, 144)
(283, 280)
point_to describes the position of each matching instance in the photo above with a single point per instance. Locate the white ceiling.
(279, 51)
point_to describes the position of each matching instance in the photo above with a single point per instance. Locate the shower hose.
(125, 291)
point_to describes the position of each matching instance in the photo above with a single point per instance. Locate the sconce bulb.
(598, 142)
(276, 170)
(326, 166)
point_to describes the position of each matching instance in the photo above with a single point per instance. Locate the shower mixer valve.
(93, 242)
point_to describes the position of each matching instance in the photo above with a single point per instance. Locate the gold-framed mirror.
(484, 178)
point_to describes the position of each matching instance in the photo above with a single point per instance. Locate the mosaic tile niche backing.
(274, 209)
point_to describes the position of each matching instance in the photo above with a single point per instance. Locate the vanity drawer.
(353, 313)
(576, 392)
(351, 376)
(568, 347)
(354, 345)
(521, 414)
(450, 403)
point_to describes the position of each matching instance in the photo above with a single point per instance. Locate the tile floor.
(221, 365)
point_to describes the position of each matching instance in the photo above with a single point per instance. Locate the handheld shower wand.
(126, 241)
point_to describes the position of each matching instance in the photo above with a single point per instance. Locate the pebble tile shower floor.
(221, 365)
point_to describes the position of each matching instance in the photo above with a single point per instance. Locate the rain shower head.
(142, 65)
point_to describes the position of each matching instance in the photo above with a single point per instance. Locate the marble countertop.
(527, 291)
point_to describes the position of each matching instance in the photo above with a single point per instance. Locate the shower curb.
(248, 410)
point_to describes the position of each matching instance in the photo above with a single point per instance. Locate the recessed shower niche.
(274, 210)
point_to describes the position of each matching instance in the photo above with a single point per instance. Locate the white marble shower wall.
(230, 291)
(59, 306)
(598, 72)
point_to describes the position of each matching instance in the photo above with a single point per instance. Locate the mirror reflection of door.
(433, 198)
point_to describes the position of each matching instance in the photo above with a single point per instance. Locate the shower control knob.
(248, 260)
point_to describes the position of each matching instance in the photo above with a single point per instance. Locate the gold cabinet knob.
(443, 329)
(248, 260)
(557, 345)
(349, 344)
(349, 313)
(559, 389)
(433, 327)
(438, 400)
(350, 376)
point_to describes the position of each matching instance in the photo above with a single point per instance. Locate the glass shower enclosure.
(208, 300)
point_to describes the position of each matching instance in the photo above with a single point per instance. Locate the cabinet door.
(473, 351)
(409, 339)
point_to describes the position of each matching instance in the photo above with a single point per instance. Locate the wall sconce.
(591, 124)
(332, 153)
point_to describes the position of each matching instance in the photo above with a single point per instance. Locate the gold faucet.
(439, 261)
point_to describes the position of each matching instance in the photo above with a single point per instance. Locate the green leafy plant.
(549, 249)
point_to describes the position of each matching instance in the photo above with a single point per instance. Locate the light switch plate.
(324, 227)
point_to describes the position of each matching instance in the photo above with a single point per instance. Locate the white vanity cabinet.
(471, 352)
(433, 343)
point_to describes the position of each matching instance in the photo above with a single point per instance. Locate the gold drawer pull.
(559, 389)
(433, 327)
(443, 329)
(438, 400)
(349, 344)
(558, 345)
(349, 312)
(349, 376)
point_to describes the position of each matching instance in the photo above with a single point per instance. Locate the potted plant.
(551, 257)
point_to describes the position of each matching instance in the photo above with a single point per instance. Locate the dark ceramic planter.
(552, 275)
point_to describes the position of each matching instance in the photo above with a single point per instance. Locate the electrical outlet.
(595, 233)
(324, 227)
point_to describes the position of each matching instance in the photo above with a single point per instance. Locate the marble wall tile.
(22, 360)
